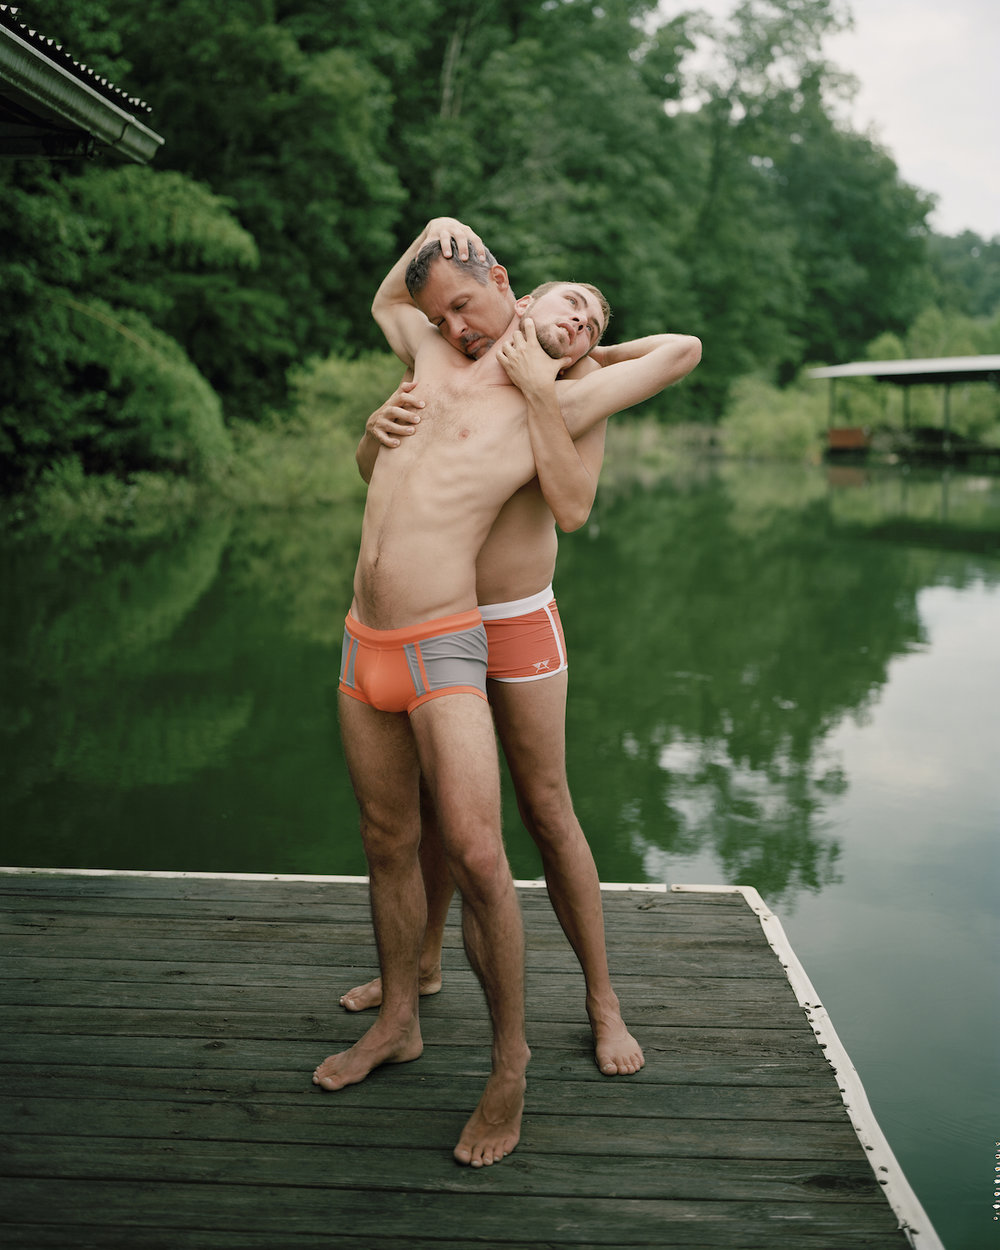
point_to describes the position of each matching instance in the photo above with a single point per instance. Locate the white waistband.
(517, 607)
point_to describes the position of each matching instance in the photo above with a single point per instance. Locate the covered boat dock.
(945, 371)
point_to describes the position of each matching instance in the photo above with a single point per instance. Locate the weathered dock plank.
(159, 1033)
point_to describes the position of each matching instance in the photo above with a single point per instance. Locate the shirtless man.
(413, 686)
(471, 302)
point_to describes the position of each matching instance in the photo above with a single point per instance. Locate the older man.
(413, 682)
(461, 290)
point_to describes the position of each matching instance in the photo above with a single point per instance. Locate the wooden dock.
(159, 1034)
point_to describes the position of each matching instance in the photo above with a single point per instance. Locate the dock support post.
(946, 418)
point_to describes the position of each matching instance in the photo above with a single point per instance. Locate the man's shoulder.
(431, 343)
(434, 360)
(405, 328)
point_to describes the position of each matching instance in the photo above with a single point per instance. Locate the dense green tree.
(860, 234)
(296, 141)
(543, 124)
(304, 149)
(812, 243)
(747, 283)
(88, 29)
(569, 197)
(85, 369)
(966, 272)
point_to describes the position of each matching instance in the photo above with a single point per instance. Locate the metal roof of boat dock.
(944, 369)
(53, 105)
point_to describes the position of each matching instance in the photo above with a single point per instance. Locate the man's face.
(568, 321)
(470, 316)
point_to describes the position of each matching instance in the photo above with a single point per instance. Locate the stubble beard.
(546, 336)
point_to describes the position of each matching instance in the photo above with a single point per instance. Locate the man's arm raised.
(567, 471)
(661, 360)
(400, 320)
(631, 349)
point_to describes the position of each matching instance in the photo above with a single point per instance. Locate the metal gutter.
(945, 369)
(52, 94)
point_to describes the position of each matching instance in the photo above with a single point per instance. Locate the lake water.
(783, 678)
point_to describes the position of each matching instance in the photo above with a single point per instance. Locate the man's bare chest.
(471, 425)
(452, 405)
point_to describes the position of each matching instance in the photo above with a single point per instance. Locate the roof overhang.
(47, 109)
(944, 370)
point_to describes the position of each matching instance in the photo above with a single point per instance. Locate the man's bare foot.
(616, 1051)
(362, 997)
(379, 1045)
(494, 1128)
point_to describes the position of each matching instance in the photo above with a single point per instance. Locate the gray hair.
(418, 270)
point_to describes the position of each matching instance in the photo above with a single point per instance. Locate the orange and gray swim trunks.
(525, 637)
(396, 670)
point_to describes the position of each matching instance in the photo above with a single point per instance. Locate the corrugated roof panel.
(908, 372)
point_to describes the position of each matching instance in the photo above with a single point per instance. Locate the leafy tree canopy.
(695, 170)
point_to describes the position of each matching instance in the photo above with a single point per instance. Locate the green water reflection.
(739, 638)
(174, 707)
(719, 629)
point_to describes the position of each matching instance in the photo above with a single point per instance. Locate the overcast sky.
(930, 94)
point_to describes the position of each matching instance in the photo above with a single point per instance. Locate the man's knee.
(388, 839)
(479, 866)
(546, 808)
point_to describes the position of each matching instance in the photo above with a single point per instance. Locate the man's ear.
(522, 304)
(498, 275)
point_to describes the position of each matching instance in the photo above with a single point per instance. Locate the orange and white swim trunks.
(525, 638)
(396, 670)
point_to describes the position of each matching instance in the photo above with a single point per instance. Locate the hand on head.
(449, 231)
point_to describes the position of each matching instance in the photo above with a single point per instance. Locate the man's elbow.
(384, 306)
(570, 519)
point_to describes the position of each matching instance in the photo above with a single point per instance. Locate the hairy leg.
(382, 761)
(531, 719)
(438, 888)
(458, 757)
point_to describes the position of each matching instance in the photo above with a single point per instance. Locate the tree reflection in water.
(718, 630)
(172, 704)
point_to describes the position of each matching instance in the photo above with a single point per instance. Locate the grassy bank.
(305, 458)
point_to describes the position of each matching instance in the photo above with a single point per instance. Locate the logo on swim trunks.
(540, 664)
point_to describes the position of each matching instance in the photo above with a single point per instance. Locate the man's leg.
(438, 888)
(382, 760)
(458, 757)
(531, 720)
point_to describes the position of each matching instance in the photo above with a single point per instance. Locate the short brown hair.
(586, 286)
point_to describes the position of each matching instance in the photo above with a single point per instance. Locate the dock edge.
(913, 1219)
